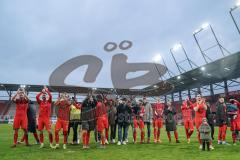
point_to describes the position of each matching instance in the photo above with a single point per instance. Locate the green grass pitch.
(166, 150)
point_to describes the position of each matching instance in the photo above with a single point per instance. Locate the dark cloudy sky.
(38, 36)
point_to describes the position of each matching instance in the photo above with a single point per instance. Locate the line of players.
(95, 114)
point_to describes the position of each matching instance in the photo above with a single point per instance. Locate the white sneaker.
(235, 144)
(106, 141)
(126, 140)
(225, 143)
(211, 147)
(219, 142)
(41, 145)
(57, 146)
(119, 143)
(113, 141)
(64, 146)
(200, 147)
(124, 143)
(51, 146)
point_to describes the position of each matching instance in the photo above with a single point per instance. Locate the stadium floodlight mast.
(176, 48)
(203, 27)
(231, 14)
(158, 58)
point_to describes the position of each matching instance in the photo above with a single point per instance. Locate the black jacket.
(210, 116)
(124, 113)
(221, 114)
(88, 110)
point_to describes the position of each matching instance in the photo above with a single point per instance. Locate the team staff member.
(44, 100)
(148, 116)
(75, 112)
(221, 120)
(20, 120)
(112, 117)
(187, 109)
(88, 119)
(170, 122)
(63, 105)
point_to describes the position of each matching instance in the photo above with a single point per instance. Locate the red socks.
(36, 137)
(176, 135)
(84, 138)
(41, 138)
(50, 136)
(26, 138)
(57, 137)
(106, 134)
(155, 133)
(169, 136)
(134, 135)
(142, 136)
(65, 134)
(15, 137)
(87, 138)
(158, 134)
(234, 137)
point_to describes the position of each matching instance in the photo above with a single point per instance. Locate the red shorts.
(20, 122)
(198, 122)
(102, 123)
(158, 123)
(235, 125)
(44, 122)
(61, 124)
(138, 123)
(188, 124)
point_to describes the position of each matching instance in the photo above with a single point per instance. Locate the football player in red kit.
(44, 99)
(138, 121)
(63, 104)
(158, 109)
(187, 109)
(102, 120)
(20, 119)
(200, 108)
(235, 121)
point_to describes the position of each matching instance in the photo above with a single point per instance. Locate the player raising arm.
(44, 100)
(20, 119)
(63, 104)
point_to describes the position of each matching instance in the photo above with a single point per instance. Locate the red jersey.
(64, 110)
(187, 111)
(21, 107)
(158, 110)
(101, 110)
(44, 106)
(201, 112)
(142, 111)
(236, 103)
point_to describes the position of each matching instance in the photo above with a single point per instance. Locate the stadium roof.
(226, 68)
